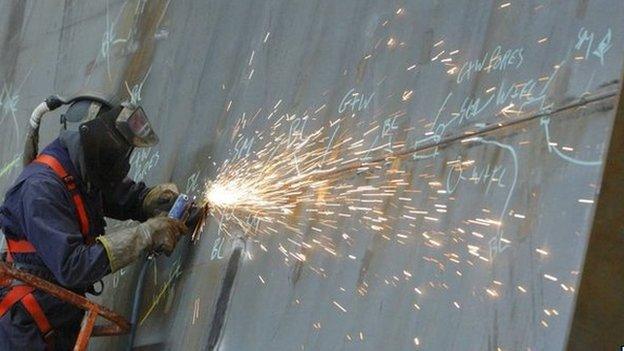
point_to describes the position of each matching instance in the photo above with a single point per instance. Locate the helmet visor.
(133, 124)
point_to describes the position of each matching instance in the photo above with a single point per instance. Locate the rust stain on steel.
(144, 26)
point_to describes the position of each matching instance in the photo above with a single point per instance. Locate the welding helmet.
(109, 132)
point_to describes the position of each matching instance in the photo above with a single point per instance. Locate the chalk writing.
(552, 147)
(511, 99)
(192, 183)
(10, 166)
(142, 161)
(217, 249)
(297, 127)
(243, 147)
(586, 39)
(115, 280)
(9, 99)
(252, 222)
(472, 107)
(110, 39)
(195, 310)
(498, 244)
(166, 288)
(135, 91)
(354, 101)
(421, 155)
(331, 141)
(389, 126)
(385, 136)
(497, 60)
(488, 175)
(117, 277)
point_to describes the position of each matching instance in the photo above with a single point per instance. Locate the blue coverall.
(38, 207)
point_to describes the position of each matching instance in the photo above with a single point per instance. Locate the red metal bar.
(119, 325)
(85, 331)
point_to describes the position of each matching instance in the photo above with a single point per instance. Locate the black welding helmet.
(109, 132)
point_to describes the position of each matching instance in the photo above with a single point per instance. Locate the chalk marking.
(6, 169)
(545, 121)
(495, 243)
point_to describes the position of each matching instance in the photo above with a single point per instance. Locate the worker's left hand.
(160, 199)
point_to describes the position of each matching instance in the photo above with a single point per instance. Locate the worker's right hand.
(162, 233)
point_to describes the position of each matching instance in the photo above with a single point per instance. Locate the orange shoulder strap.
(23, 246)
(70, 183)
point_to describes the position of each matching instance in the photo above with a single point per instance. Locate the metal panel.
(495, 114)
(600, 303)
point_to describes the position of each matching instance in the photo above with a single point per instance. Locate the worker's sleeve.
(125, 200)
(52, 227)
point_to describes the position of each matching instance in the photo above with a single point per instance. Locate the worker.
(53, 221)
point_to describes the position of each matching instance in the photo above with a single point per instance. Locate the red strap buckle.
(70, 182)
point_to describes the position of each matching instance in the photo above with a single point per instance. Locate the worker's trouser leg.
(18, 331)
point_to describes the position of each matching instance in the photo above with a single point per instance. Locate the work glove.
(158, 234)
(160, 199)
